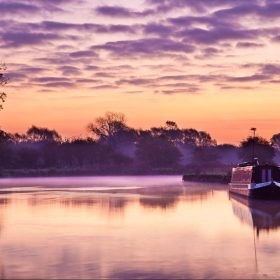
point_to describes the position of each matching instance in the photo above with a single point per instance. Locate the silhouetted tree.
(119, 149)
(275, 141)
(205, 157)
(170, 131)
(6, 152)
(197, 138)
(157, 153)
(38, 134)
(107, 127)
(256, 147)
(228, 154)
(183, 136)
(5, 137)
(3, 82)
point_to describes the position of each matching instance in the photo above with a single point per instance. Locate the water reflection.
(158, 230)
(261, 215)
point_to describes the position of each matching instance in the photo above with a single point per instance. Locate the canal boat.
(254, 180)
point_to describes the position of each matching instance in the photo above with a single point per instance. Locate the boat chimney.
(255, 161)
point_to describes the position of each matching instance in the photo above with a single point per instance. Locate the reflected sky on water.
(134, 227)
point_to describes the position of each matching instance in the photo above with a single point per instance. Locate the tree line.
(113, 147)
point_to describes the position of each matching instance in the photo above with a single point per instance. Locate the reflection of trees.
(4, 201)
(261, 215)
(108, 204)
(168, 196)
(199, 191)
(163, 202)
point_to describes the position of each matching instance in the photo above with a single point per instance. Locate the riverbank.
(69, 172)
(211, 178)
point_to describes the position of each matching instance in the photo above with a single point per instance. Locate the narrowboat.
(256, 180)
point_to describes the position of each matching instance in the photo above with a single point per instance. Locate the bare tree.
(3, 82)
(104, 128)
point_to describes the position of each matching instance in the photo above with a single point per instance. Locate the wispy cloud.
(165, 44)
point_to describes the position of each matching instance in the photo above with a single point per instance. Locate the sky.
(210, 65)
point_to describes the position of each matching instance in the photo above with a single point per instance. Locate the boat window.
(263, 175)
(269, 175)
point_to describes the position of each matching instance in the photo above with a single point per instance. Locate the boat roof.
(255, 162)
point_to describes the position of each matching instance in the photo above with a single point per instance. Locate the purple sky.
(93, 53)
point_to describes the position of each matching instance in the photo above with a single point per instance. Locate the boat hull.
(269, 191)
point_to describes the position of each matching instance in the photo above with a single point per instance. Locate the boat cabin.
(255, 174)
(254, 179)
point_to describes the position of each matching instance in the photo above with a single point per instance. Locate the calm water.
(134, 227)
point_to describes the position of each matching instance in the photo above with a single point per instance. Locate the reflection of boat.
(261, 214)
(254, 180)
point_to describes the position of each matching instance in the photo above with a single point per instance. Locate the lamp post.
(254, 136)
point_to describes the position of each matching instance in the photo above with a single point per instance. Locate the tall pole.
(254, 138)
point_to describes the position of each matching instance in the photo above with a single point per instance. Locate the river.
(151, 227)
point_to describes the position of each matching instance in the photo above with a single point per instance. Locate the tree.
(197, 138)
(5, 137)
(275, 141)
(256, 147)
(170, 131)
(157, 152)
(205, 157)
(108, 127)
(3, 82)
(228, 154)
(39, 134)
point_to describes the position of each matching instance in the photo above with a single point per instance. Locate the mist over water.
(134, 227)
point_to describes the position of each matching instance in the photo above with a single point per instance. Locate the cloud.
(135, 81)
(103, 75)
(119, 11)
(195, 5)
(82, 54)
(191, 20)
(276, 39)
(148, 46)
(89, 27)
(270, 69)
(69, 70)
(19, 39)
(50, 79)
(227, 87)
(208, 53)
(169, 47)
(250, 78)
(189, 90)
(60, 85)
(158, 29)
(216, 35)
(270, 10)
(10, 7)
(32, 7)
(249, 45)
(107, 86)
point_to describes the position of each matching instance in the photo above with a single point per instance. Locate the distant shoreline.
(22, 173)
(213, 177)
